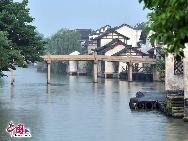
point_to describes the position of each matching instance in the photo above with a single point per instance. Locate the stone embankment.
(171, 103)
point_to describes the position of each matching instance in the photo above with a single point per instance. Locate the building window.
(178, 67)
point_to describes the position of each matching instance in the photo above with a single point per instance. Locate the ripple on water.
(73, 108)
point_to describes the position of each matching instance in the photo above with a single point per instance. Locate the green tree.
(142, 26)
(21, 41)
(63, 42)
(160, 64)
(169, 21)
(8, 54)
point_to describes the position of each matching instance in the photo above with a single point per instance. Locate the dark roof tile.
(111, 30)
(125, 50)
(110, 45)
(118, 27)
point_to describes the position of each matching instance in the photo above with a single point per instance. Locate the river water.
(74, 109)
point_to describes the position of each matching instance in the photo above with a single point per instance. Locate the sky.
(52, 15)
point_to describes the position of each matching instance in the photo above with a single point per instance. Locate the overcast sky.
(52, 15)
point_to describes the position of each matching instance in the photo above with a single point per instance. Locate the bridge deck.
(97, 58)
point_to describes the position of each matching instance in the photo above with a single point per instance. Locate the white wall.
(114, 50)
(133, 34)
(109, 67)
(172, 82)
(73, 66)
(106, 41)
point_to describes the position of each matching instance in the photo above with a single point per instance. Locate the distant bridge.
(129, 59)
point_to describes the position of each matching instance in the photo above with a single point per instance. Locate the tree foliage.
(63, 42)
(160, 64)
(8, 54)
(169, 21)
(19, 40)
(142, 26)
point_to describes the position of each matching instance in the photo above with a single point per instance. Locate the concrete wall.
(172, 82)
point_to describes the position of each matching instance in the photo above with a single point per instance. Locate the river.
(74, 109)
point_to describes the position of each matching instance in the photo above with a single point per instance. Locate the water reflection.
(73, 108)
(11, 89)
(49, 89)
(177, 130)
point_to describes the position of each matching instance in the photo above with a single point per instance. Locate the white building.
(122, 40)
(130, 32)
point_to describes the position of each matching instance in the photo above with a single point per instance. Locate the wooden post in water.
(48, 71)
(95, 70)
(130, 71)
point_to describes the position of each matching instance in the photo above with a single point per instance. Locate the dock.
(170, 103)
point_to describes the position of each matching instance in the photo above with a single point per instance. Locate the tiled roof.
(99, 30)
(111, 30)
(151, 50)
(118, 27)
(110, 45)
(125, 50)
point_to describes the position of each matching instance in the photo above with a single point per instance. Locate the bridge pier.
(95, 72)
(48, 71)
(130, 71)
